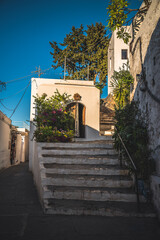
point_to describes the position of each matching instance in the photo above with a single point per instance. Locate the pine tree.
(85, 51)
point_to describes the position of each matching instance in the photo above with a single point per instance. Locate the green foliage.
(53, 121)
(120, 83)
(123, 34)
(83, 48)
(47, 134)
(118, 13)
(99, 86)
(133, 131)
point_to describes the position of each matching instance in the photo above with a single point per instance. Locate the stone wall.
(146, 50)
(5, 139)
(145, 68)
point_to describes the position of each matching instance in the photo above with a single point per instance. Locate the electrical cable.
(20, 99)
(45, 72)
(13, 94)
(6, 107)
(19, 79)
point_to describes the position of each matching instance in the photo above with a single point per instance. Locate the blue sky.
(27, 26)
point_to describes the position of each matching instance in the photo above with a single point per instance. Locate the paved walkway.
(21, 216)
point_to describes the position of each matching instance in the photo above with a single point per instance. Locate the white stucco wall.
(36, 170)
(89, 93)
(114, 55)
(90, 98)
(5, 139)
(24, 144)
(18, 149)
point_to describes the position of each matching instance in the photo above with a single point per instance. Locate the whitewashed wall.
(114, 55)
(5, 139)
(90, 98)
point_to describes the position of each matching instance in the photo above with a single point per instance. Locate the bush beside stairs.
(85, 178)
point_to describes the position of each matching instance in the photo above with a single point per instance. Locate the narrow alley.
(21, 216)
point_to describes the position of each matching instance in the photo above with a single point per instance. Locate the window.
(110, 63)
(124, 54)
(154, 61)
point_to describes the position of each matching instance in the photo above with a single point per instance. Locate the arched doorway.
(78, 110)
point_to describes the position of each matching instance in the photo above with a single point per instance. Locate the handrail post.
(137, 191)
(120, 156)
(134, 167)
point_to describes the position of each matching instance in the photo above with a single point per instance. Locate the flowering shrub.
(47, 134)
(54, 122)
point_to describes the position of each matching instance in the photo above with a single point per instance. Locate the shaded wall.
(145, 68)
(5, 139)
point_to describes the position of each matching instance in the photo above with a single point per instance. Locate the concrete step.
(106, 127)
(103, 114)
(90, 194)
(83, 140)
(78, 145)
(107, 133)
(105, 121)
(86, 169)
(63, 159)
(75, 152)
(86, 180)
(103, 208)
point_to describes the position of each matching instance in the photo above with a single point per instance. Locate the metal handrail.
(135, 170)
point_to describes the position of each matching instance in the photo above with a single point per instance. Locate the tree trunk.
(95, 75)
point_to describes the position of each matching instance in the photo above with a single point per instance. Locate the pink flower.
(54, 112)
(59, 110)
(45, 113)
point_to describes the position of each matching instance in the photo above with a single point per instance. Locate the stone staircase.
(106, 124)
(84, 178)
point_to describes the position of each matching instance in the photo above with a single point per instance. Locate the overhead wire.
(13, 94)
(43, 72)
(23, 95)
(19, 79)
(20, 99)
(5, 106)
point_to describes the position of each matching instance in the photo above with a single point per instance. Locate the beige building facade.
(89, 104)
(5, 141)
(19, 145)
